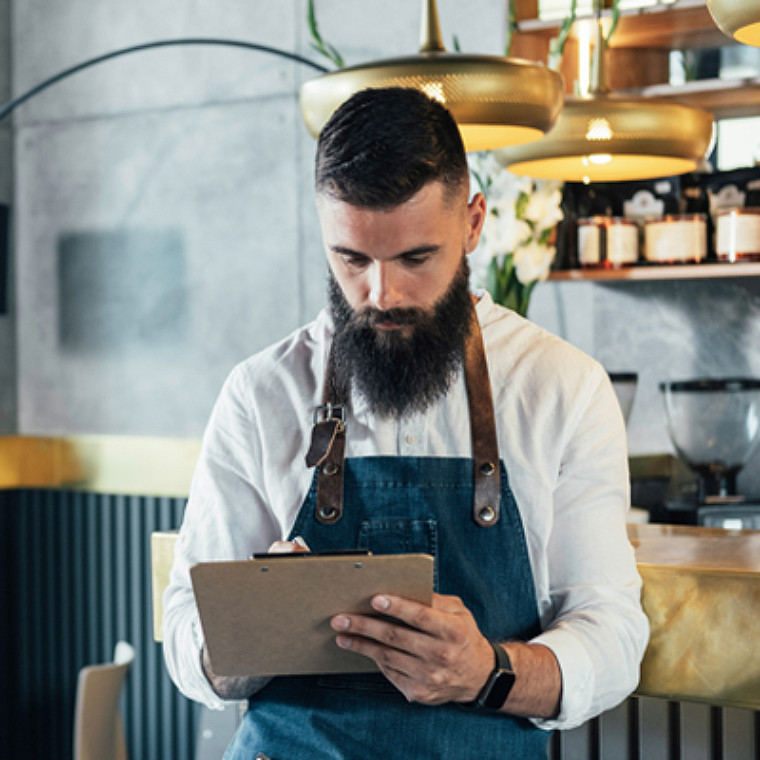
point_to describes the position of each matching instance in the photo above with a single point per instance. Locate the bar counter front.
(701, 593)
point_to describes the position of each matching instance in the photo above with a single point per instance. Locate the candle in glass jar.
(738, 235)
(675, 239)
(607, 242)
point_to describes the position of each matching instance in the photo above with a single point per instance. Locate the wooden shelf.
(637, 58)
(724, 98)
(658, 272)
(683, 24)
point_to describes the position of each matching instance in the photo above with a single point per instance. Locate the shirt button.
(410, 439)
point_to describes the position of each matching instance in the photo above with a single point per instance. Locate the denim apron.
(398, 505)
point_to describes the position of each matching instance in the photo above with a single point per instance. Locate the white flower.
(505, 187)
(479, 261)
(532, 261)
(504, 232)
(544, 207)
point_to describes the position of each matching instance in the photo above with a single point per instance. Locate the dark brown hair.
(382, 146)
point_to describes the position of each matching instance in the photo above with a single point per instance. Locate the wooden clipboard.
(271, 616)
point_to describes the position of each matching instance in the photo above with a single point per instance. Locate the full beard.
(402, 373)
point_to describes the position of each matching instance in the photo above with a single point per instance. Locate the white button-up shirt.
(562, 440)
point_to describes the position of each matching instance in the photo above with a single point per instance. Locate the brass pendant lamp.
(739, 19)
(602, 137)
(496, 101)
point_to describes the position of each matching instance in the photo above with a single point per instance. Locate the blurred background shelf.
(724, 98)
(638, 59)
(682, 24)
(659, 272)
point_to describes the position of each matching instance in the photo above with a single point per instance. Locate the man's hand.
(296, 546)
(436, 655)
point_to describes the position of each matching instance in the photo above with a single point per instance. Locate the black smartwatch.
(498, 684)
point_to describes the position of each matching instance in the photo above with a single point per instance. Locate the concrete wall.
(165, 227)
(165, 223)
(668, 330)
(7, 321)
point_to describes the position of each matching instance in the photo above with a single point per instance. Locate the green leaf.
(482, 184)
(492, 280)
(317, 43)
(557, 44)
(521, 205)
(525, 295)
(508, 273)
(615, 20)
(511, 29)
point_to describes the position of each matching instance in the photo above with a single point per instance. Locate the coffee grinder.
(714, 425)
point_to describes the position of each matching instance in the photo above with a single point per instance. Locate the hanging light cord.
(6, 108)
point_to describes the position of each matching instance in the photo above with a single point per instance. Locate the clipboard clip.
(332, 553)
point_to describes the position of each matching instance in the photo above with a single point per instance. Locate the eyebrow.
(419, 250)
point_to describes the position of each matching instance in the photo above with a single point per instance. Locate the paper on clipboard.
(272, 616)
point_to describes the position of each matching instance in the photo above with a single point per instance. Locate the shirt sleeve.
(599, 631)
(226, 518)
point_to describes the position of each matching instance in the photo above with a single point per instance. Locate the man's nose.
(385, 292)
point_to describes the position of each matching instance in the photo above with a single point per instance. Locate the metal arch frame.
(11, 105)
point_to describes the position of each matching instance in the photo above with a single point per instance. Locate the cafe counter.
(701, 594)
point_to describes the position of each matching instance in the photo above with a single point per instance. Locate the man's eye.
(416, 259)
(355, 262)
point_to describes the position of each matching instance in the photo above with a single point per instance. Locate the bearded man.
(467, 433)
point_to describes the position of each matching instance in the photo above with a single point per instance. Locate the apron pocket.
(396, 536)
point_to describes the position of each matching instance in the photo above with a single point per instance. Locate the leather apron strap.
(328, 441)
(485, 446)
(328, 445)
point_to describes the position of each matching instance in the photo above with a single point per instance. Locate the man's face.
(401, 258)
(401, 314)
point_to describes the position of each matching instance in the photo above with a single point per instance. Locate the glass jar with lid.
(675, 239)
(607, 242)
(737, 236)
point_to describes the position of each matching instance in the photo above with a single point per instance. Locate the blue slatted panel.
(76, 579)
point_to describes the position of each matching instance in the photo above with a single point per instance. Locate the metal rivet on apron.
(330, 468)
(487, 468)
(327, 512)
(487, 514)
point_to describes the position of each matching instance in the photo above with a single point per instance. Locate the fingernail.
(381, 602)
(340, 623)
(344, 642)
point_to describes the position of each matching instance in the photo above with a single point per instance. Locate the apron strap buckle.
(326, 452)
(329, 411)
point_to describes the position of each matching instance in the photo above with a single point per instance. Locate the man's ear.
(476, 217)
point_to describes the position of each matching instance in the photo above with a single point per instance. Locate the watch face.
(499, 692)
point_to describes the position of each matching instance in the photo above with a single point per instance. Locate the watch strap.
(498, 684)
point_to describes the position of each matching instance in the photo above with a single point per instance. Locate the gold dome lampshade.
(603, 137)
(496, 101)
(739, 19)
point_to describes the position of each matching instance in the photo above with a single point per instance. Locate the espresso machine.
(714, 425)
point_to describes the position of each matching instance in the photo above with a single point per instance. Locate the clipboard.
(271, 616)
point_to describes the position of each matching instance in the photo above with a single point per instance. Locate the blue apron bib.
(401, 505)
